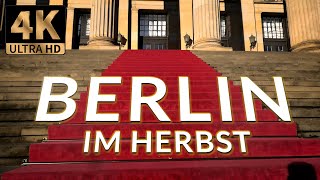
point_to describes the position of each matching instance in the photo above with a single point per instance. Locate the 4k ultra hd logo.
(35, 29)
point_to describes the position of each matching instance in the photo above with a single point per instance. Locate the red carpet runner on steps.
(273, 145)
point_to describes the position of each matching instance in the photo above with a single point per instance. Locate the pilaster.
(69, 28)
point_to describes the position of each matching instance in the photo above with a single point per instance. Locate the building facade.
(225, 25)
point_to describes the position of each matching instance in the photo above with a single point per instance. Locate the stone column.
(206, 23)
(102, 25)
(69, 28)
(304, 26)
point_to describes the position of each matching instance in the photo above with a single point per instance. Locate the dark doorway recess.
(80, 27)
(84, 28)
(4, 3)
(234, 25)
(42, 2)
(160, 29)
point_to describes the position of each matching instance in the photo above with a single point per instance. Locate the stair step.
(173, 95)
(27, 105)
(269, 77)
(22, 130)
(150, 70)
(196, 105)
(308, 124)
(214, 95)
(270, 82)
(171, 88)
(249, 169)
(14, 150)
(9, 164)
(305, 112)
(25, 96)
(149, 117)
(77, 131)
(23, 139)
(36, 89)
(315, 134)
(21, 82)
(304, 103)
(34, 83)
(295, 89)
(159, 73)
(18, 117)
(67, 151)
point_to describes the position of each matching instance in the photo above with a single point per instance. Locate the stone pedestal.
(206, 23)
(304, 26)
(102, 25)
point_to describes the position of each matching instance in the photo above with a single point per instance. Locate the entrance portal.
(153, 31)
(160, 29)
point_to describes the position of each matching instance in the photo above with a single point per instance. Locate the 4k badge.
(35, 29)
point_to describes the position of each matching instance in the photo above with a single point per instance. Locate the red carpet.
(274, 150)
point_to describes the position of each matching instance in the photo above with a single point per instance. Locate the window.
(225, 30)
(86, 24)
(146, 46)
(79, 25)
(88, 27)
(159, 46)
(223, 26)
(280, 48)
(267, 48)
(275, 33)
(83, 28)
(273, 28)
(153, 26)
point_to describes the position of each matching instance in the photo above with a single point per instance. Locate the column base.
(101, 43)
(213, 48)
(307, 46)
(210, 45)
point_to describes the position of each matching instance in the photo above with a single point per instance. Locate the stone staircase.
(273, 147)
(301, 76)
(20, 86)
